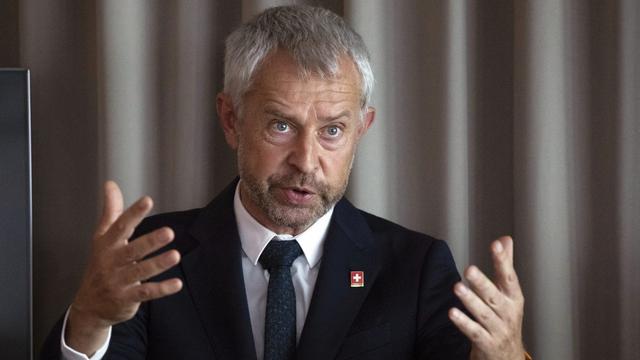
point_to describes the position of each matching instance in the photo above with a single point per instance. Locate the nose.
(304, 154)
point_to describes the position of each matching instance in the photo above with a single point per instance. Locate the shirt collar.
(254, 237)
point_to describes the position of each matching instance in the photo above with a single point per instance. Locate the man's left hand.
(498, 307)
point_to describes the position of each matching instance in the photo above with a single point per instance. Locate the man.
(279, 265)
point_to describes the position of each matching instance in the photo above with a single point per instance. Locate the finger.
(471, 329)
(153, 290)
(483, 314)
(123, 227)
(506, 277)
(486, 289)
(111, 208)
(146, 269)
(143, 246)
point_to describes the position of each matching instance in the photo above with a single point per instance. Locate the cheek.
(261, 159)
(337, 166)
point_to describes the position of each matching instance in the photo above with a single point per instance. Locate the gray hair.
(316, 38)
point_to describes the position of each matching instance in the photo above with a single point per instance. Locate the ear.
(367, 121)
(228, 119)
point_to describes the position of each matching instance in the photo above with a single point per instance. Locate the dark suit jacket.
(400, 313)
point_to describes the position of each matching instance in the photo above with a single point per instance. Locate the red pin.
(357, 279)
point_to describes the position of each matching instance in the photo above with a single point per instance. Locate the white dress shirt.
(254, 238)
(304, 270)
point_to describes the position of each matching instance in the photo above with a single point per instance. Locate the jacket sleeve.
(51, 348)
(129, 339)
(437, 337)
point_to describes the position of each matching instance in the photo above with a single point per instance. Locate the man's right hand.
(113, 284)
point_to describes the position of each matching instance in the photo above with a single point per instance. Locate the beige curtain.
(494, 117)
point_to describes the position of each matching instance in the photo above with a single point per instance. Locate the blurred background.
(494, 117)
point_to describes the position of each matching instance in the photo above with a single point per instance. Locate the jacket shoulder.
(382, 227)
(406, 243)
(176, 220)
(181, 221)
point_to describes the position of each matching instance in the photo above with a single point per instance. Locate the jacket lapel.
(213, 275)
(349, 247)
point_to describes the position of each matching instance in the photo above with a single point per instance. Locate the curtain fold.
(127, 84)
(494, 117)
(628, 186)
(541, 176)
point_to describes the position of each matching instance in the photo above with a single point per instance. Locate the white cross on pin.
(357, 279)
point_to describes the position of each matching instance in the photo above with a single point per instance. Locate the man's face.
(295, 142)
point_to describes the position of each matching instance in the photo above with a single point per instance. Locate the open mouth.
(297, 195)
(302, 191)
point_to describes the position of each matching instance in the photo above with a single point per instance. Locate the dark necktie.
(280, 320)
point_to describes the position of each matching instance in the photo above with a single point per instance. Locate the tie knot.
(280, 254)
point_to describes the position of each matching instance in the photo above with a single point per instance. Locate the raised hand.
(498, 307)
(113, 284)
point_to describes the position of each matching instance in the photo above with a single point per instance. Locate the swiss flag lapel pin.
(357, 279)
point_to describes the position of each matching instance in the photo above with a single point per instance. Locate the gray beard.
(286, 215)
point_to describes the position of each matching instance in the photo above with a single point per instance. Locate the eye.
(333, 131)
(281, 126)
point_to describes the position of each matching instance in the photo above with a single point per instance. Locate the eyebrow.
(346, 113)
(274, 112)
(278, 114)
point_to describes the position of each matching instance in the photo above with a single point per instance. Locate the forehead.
(280, 79)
